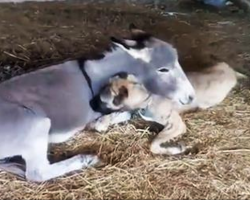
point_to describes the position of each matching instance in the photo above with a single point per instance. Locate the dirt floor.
(35, 35)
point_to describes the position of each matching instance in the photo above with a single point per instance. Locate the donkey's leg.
(13, 168)
(13, 165)
(188, 108)
(174, 127)
(38, 168)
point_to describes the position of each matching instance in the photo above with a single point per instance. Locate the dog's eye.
(163, 70)
(117, 100)
(123, 93)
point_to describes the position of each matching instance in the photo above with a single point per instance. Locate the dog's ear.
(120, 75)
(123, 75)
(132, 78)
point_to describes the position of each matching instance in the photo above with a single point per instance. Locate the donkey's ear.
(132, 26)
(136, 32)
(125, 43)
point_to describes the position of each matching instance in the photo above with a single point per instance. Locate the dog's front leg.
(103, 123)
(173, 127)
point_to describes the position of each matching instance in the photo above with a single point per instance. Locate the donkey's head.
(163, 57)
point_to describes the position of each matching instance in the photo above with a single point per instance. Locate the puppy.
(125, 93)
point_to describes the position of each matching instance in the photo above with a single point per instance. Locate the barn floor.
(34, 35)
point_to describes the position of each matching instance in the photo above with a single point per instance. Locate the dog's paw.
(119, 117)
(101, 127)
(89, 160)
(168, 148)
(176, 149)
(98, 125)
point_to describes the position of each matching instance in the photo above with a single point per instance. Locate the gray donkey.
(52, 104)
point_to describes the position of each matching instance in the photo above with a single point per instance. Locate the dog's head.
(124, 92)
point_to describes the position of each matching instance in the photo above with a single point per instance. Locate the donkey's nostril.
(187, 100)
(190, 98)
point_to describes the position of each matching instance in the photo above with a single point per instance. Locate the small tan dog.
(125, 93)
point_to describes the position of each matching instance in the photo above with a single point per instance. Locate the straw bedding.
(218, 168)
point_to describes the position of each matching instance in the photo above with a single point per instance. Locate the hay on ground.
(33, 35)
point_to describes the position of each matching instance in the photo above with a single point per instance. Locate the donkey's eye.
(163, 70)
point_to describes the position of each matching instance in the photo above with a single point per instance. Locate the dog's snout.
(95, 103)
(105, 94)
(98, 106)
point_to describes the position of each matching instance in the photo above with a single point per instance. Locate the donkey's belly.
(61, 94)
(66, 112)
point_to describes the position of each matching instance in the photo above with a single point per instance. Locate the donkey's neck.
(113, 62)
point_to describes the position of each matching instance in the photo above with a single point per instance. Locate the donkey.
(125, 93)
(52, 104)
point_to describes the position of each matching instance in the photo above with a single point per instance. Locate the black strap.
(85, 74)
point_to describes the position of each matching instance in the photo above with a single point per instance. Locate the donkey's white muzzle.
(185, 93)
